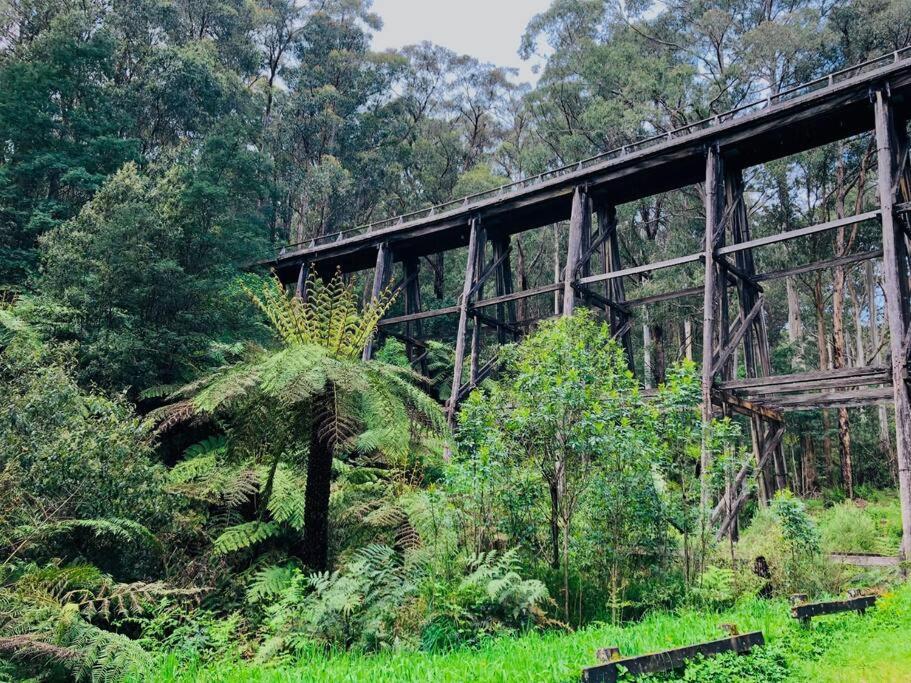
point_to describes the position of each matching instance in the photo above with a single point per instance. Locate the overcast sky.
(489, 30)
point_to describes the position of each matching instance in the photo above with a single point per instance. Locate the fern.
(111, 529)
(244, 536)
(269, 582)
(286, 502)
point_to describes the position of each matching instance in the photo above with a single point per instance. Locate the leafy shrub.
(847, 528)
(785, 535)
(379, 600)
(715, 588)
(763, 665)
(191, 634)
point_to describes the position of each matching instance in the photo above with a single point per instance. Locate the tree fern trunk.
(316, 499)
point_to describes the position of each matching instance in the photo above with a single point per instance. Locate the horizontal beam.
(744, 406)
(800, 232)
(665, 296)
(820, 265)
(835, 399)
(585, 292)
(669, 660)
(515, 296)
(410, 317)
(635, 270)
(818, 609)
(870, 374)
(781, 382)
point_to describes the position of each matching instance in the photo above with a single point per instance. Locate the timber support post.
(714, 235)
(895, 284)
(475, 239)
(615, 291)
(380, 280)
(579, 226)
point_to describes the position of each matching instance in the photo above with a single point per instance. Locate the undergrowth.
(793, 653)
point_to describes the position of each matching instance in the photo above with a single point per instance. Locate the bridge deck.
(832, 109)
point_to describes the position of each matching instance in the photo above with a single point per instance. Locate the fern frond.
(270, 582)
(243, 536)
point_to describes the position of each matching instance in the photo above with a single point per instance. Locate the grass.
(849, 647)
(873, 528)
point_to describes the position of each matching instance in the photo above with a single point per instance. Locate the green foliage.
(864, 526)
(788, 539)
(371, 603)
(837, 648)
(144, 280)
(243, 536)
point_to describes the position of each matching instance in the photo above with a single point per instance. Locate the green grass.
(873, 528)
(843, 647)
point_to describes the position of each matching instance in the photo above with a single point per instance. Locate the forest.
(204, 475)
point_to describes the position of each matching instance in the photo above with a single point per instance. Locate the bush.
(847, 528)
(785, 535)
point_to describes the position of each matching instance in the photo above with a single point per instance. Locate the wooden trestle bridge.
(875, 96)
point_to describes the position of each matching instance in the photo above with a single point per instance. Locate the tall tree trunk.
(882, 412)
(659, 370)
(822, 346)
(808, 465)
(316, 503)
(439, 276)
(646, 351)
(838, 330)
(795, 324)
(554, 525)
(688, 337)
(521, 304)
(558, 271)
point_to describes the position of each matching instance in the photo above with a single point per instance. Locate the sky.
(489, 30)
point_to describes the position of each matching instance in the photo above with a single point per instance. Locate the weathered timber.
(579, 224)
(478, 287)
(380, 280)
(835, 399)
(462, 308)
(896, 289)
(635, 270)
(877, 99)
(523, 294)
(714, 236)
(738, 335)
(799, 232)
(865, 559)
(800, 122)
(745, 407)
(805, 612)
(772, 393)
(670, 660)
(664, 296)
(820, 265)
(422, 315)
(770, 445)
(864, 375)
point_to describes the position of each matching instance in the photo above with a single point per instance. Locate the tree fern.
(244, 536)
(269, 582)
(315, 389)
(286, 501)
